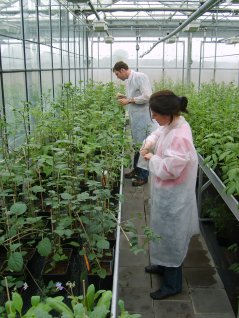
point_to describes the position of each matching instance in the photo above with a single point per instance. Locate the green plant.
(67, 168)
(90, 305)
(235, 266)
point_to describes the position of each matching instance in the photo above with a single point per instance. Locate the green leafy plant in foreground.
(92, 305)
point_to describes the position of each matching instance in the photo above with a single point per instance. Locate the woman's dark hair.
(165, 102)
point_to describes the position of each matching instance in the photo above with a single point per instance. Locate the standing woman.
(173, 163)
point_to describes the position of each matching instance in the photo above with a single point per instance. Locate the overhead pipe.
(158, 9)
(93, 9)
(128, 9)
(194, 16)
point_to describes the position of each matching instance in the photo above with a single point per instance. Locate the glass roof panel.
(138, 14)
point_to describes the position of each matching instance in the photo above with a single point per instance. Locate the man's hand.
(120, 96)
(123, 101)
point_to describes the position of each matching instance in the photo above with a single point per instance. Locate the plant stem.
(8, 294)
(121, 229)
(34, 279)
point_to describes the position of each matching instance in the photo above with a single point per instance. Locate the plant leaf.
(103, 244)
(35, 300)
(66, 196)
(17, 301)
(44, 247)
(37, 189)
(18, 208)
(15, 262)
(105, 299)
(90, 297)
(99, 312)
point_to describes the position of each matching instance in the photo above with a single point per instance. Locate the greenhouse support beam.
(230, 200)
(192, 17)
(189, 58)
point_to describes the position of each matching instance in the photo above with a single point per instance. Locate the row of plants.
(59, 185)
(214, 116)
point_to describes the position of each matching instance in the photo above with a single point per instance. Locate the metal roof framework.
(143, 15)
(161, 18)
(157, 14)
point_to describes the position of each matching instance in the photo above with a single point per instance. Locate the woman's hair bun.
(183, 104)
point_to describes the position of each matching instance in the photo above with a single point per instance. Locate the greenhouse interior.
(77, 230)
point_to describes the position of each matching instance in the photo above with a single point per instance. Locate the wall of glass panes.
(42, 46)
(209, 60)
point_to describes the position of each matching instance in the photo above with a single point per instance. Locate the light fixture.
(171, 40)
(109, 39)
(232, 40)
(100, 26)
(192, 27)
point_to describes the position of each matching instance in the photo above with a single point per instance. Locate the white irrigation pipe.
(114, 303)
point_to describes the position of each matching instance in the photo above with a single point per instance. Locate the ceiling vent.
(109, 39)
(100, 26)
(192, 27)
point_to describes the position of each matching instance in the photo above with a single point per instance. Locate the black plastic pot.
(62, 270)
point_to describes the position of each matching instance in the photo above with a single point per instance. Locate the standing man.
(138, 92)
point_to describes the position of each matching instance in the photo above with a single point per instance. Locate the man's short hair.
(119, 65)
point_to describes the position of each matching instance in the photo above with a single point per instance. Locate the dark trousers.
(172, 280)
(142, 173)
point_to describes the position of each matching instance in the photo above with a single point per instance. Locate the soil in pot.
(102, 283)
(111, 238)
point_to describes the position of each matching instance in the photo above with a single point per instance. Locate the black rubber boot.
(172, 283)
(154, 269)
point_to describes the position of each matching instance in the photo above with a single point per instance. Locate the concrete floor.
(203, 293)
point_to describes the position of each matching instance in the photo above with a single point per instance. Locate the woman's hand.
(146, 147)
(144, 151)
(148, 156)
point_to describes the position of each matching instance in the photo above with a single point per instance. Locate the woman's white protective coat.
(173, 170)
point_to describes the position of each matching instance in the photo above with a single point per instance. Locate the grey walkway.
(203, 293)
